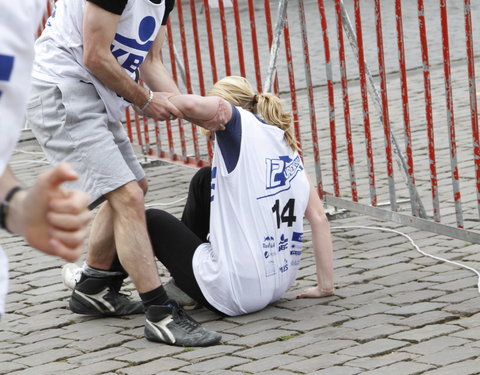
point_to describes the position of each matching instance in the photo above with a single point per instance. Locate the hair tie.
(255, 99)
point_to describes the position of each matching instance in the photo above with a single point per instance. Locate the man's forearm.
(157, 78)
(7, 182)
(112, 75)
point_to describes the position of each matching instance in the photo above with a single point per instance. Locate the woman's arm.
(322, 247)
(206, 111)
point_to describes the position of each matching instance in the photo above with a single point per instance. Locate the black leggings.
(174, 242)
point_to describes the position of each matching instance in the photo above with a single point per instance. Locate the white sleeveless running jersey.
(256, 222)
(59, 50)
(18, 23)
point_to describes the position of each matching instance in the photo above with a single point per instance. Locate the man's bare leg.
(131, 237)
(102, 250)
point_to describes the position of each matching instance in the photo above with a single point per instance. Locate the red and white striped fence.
(399, 70)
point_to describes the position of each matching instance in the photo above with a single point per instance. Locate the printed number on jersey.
(286, 214)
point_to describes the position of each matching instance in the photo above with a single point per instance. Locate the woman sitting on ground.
(239, 244)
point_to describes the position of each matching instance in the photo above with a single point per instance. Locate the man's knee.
(127, 198)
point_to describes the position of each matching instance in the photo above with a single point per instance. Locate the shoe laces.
(181, 318)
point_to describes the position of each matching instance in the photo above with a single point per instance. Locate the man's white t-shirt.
(59, 50)
(256, 220)
(18, 23)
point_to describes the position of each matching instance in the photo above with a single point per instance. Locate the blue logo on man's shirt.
(124, 49)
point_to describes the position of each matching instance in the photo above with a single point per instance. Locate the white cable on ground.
(414, 245)
(20, 162)
(166, 204)
(29, 152)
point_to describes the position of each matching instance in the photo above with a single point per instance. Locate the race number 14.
(286, 214)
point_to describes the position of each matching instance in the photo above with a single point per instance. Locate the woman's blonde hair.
(238, 91)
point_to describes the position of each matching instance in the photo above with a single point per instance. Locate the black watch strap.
(4, 206)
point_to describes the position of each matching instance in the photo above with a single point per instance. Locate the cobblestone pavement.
(395, 311)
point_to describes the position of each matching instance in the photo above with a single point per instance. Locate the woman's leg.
(174, 245)
(196, 214)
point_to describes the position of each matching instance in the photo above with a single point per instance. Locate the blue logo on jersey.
(284, 268)
(125, 48)
(6, 68)
(283, 245)
(297, 236)
(212, 189)
(280, 173)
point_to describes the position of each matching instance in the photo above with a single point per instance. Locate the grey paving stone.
(401, 277)
(409, 297)
(262, 337)
(40, 336)
(472, 333)
(46, 369)
(338, 370)
(219, 363)
(470, 322)
(41, 359)
(416, 308)
(457, 285)
(311, 324)
(100, 342)
(376, 347)
(195, 355)
(270, 363)
(42, 346)
(374, 332)
(159, 366)
(465, 308)
(427, 333)
(401, 368)
(153, 351)
(255, 327)
(323, 347)
(429, 317)
(10, 367)
(450, 356)
(97, 368)
(465, 368)
(366, 310)
(89, 329)
(435, 345)
(323, 361)
(119, 353)
(370, 363)
(370, 321)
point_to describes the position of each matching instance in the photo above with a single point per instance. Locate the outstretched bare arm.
(322, 247)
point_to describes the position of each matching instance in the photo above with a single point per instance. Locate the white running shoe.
(71, 274)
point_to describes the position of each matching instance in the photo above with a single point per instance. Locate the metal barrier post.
(366, 115)
(428, 111)
(473, 96)
(384, 115)
(346, 102)
(331, 97)
(405, 106)
(450, 115)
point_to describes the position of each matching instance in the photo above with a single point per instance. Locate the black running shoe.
(170, 324)
(101, 296)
